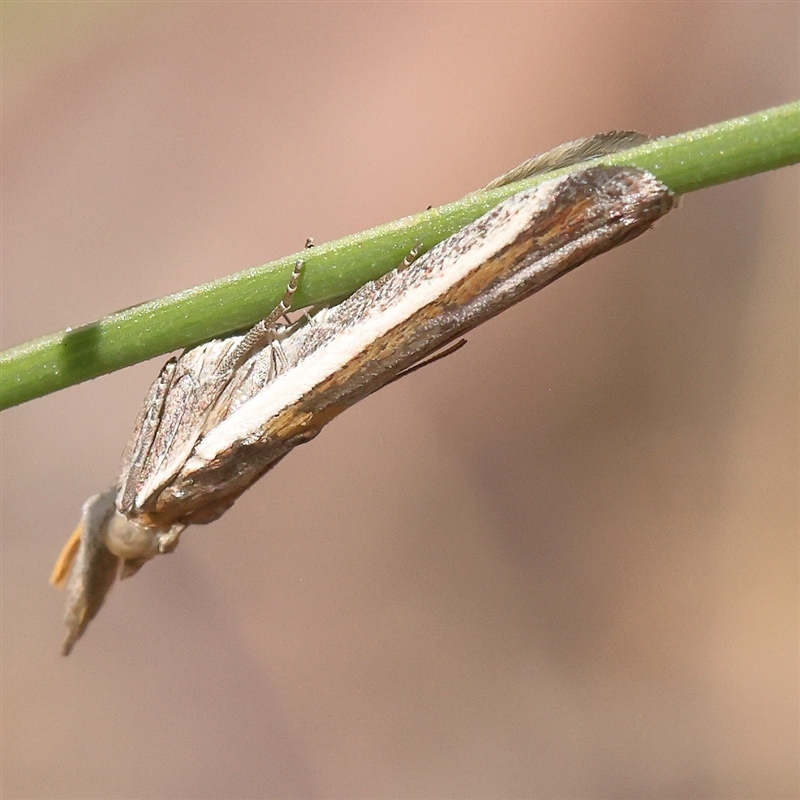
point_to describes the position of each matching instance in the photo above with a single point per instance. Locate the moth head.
(104, 545)
(136, 544)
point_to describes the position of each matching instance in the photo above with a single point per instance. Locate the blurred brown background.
(562, 563)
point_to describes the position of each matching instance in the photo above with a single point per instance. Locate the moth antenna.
(66, 558)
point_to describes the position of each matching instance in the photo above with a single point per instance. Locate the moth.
(222, 414)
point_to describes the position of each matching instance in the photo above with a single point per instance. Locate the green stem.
(687, 162)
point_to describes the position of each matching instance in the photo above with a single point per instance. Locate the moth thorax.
(128, 540)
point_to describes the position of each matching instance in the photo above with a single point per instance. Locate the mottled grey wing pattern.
(179, 407)
(350, 351)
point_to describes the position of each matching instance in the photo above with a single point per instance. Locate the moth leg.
(263, 332)
(412, 256)
(449, 350)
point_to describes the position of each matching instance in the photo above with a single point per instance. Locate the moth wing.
(137, 450)
(171, 421)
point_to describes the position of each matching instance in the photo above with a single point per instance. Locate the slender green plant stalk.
(687, 162)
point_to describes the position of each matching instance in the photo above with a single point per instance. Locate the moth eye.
(130, 541)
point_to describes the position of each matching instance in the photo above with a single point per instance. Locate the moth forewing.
(360, 344)
(188, 398)
(137, 451)
(393, 322)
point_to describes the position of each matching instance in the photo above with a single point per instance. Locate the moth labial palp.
(206, 433)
